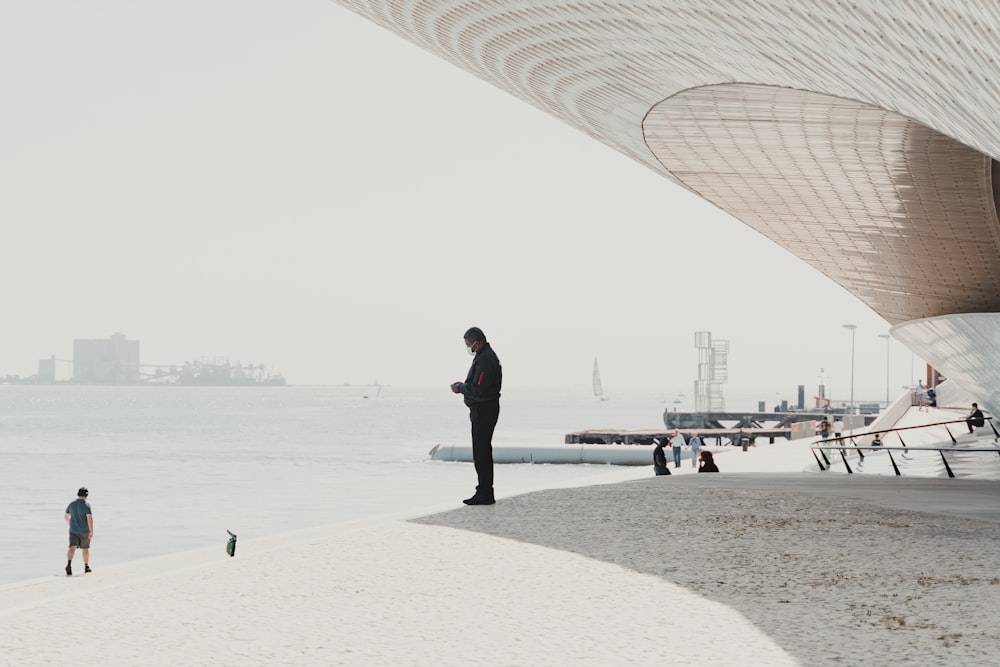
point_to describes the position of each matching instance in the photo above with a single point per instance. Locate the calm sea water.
(172, 468)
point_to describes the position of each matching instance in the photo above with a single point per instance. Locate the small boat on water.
(598, 387)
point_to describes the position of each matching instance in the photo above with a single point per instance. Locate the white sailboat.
(378, 390)
(598, 387)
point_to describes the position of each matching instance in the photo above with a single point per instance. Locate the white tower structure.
(713, 372)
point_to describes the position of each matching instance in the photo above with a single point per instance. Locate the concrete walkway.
(967, 498)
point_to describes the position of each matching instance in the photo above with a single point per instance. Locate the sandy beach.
(830, 578)
(384, 593)
(740, 568)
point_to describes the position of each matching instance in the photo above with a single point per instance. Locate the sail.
(598, 387)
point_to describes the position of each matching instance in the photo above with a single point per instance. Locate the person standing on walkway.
(838, 427)
(481, 392)
(824, 431)
(975, 418)
(659, 458)
(81, 529)
(677, 443)
(695, 444)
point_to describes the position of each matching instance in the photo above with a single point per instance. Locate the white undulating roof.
(860, 135)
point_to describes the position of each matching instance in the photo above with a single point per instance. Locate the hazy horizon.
(288, 184)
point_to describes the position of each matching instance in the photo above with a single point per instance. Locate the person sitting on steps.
(975, 418)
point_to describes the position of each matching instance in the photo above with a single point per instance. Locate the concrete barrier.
(624, 455)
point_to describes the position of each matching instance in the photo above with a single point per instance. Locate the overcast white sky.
(283, 182)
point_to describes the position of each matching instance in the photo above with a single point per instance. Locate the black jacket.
(659, 458)
(482, 384)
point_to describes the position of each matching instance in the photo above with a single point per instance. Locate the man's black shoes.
(480, 500)
(69, 570)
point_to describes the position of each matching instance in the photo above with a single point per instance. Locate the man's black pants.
(484, 418)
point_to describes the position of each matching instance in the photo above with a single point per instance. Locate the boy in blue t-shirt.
(81, 529)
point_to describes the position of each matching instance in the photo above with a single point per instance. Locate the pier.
(743, 419)
(620, 437)
(731, 427)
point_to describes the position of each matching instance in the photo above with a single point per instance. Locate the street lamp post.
(852, 327)
(887, 339)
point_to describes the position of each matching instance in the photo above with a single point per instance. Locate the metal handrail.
(852, 437)
(838, 443)
(988, 419)
(889, 451)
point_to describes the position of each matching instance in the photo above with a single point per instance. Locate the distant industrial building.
(47, 370)
(112, 360)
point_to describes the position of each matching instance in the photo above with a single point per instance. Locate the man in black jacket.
(481, 391)
(659, 459)
(975, 418)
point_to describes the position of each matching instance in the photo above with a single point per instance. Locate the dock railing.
(820, 448)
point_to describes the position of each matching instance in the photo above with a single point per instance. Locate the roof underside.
(896, 213)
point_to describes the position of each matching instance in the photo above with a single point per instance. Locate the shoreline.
(356, 600)
(374, 591)
(782, 569)
(769, 568)
(207, 554)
